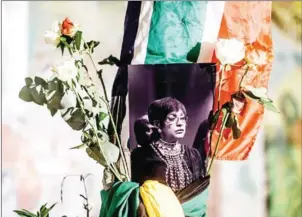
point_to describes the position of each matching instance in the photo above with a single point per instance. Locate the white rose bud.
(229, 51)
(53, 36)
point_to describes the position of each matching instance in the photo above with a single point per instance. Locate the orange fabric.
(250, 22)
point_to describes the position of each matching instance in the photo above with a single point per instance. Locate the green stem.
(101, 78)
(94, 66)
(106, 101)
(87, 202)
(111, 166)
(220, 86)
(243, 76)
(118, 140)
(218, 141)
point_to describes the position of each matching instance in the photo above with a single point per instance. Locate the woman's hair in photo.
(144, 130)
(159, 109)
(145, 133)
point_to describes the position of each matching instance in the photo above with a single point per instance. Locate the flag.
(165, 32)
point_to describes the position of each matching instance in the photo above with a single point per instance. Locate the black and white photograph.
(168, 110)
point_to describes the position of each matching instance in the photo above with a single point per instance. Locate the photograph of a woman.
(160, 155)
(169, 105)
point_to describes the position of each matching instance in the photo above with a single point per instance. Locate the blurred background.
(35, 146)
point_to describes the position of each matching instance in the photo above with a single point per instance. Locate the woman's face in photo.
(174, 127)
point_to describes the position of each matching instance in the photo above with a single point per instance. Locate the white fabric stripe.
(141, 40)
(213, 19)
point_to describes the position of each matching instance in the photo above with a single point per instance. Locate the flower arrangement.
(71, 92)
(233, 53)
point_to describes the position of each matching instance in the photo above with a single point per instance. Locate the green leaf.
(53, 111)
(46, 213)
(235, 128)
(62, 39)
(85, 137)
(224, 112)
(55, 101)
(250, 95)
(111, 60)
(66, 113)
(266, 99)
(229, 123)
(78, 38)
(40, 81)
(25, 213)
(91, 44)
(213, 119)
(227, 106)
(25, 94)
(78, 146)
(52, 206)
(54, 94)
(111, 151)
(43, 210)
(28, 81)
(268, 105)
(94, 153)
(102, 116)
(38, 96)
(77, 120)
(62, 47)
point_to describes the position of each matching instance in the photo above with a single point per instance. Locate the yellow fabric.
(160, 200)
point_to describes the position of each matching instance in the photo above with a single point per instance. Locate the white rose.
(258, 92)
(229, 51)
(53, 36)
(66, 71)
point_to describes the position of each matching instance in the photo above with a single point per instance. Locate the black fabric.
(120, 85)
(194, 189)
(130, 31)
(146, 164)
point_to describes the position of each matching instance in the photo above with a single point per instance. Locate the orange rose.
(67, 28)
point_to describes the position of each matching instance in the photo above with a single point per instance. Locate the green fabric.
(176, 27)
(121, 200)
(197, 206)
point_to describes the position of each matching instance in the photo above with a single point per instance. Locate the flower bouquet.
(71, 92)
(234, 53)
